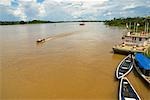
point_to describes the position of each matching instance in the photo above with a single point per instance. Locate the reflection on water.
(77, 63)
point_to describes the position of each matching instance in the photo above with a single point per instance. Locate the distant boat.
(142, 66)
(82, 24)
(126, 90)
(124, 67)
(40, 40)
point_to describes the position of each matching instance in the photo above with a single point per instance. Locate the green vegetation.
(147, 52)
(23, 22)
(121, 22)
(37, 22)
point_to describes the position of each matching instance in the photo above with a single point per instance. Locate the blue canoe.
(143, 61)
(142, 65)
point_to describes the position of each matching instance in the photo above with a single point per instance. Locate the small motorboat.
(81, 24)
(40, 40)
(124, 67)
(126, 90)
(142, 66)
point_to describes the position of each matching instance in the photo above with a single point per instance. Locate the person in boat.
(147, 52)
(123, 44)
(40, 40)
(132, 54)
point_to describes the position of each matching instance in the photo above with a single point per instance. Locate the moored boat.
(124, 67)
(120, 49)
(126, 90)
(142, 66)
(133, 41)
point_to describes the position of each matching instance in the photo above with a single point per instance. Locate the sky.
(69, 10)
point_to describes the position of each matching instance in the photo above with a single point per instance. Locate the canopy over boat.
(143, 61)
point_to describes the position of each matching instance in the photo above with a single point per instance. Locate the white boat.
(132, 44)
(124, 67)
(124, 49)
(136, 42)
(126, 90)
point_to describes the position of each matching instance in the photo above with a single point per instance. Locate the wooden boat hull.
(82, 24)
(126, 90)
(146, 78)
(40, 40)
(124, 51)
(124, 67)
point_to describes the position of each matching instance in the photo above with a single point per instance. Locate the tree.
(22, 22)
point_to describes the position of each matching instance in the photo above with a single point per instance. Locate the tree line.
(23, 22)
(123, 22)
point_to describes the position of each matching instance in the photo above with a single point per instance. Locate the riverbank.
(23, 22)
(121, 22)
(40, 22)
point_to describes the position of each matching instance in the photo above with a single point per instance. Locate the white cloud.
(19, 12)
(27, 0)
(28, 10)
(129, 6)
(75, 9)
(42, 11)
(78, 8)
(5, 2)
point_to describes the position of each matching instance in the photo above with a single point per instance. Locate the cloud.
(19, 12)
(73, 9)
(125, 8)
(5, 2)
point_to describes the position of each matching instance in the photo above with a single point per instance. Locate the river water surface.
(75, 63)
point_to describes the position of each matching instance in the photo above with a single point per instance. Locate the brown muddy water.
(75, 63)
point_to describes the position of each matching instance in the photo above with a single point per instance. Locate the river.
(75, 63)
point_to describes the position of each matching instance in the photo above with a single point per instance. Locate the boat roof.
(144, 62)
(138, 36)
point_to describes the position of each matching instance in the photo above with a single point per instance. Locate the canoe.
(126, 90)
(142, 66)
(124, 67)
(146, 78)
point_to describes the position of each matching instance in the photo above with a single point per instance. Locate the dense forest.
(38, 22)
(130, 22)
(23, 22)
(121, 22)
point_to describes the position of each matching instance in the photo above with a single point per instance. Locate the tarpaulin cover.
(143, 61)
